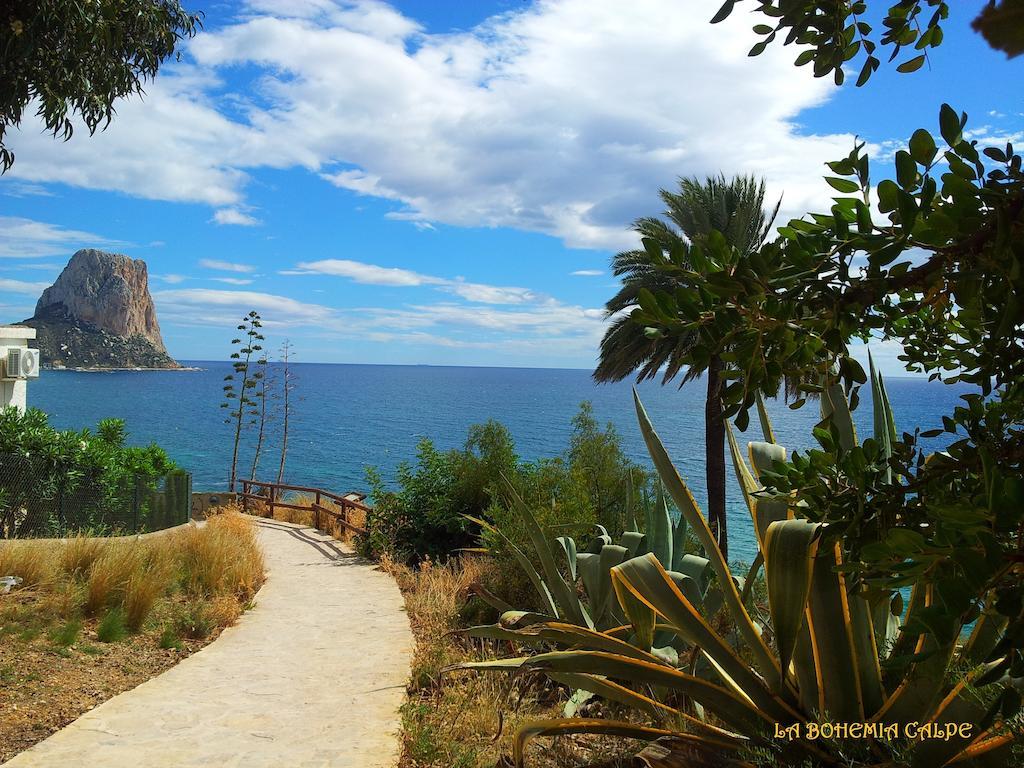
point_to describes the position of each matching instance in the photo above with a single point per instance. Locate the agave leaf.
(678, 543)
(921, 685)
(659, 529)
(478, 589)
(766, 422)
(987, 632)
(751, 578)
(594, 570)
(568, 546)
(563, 594)
(732, 708)
(767, 665)
(530, 731)
(744, 477)
(633, 541)
(648, 582)
(835, 650)
(601, 540)
(886, 622)
(763, 456)
(520, 619)
(959, 706)
(768, 510)
(547, 601)
(836, 409)
(612, 691)
(789, 551)
(641, 616)
(696, 567)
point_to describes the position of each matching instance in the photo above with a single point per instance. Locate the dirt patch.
(44, 685)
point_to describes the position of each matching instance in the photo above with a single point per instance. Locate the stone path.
(312, 677)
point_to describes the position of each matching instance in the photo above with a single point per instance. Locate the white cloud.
(371, 274)
(360, 272)
(587, 273)
(21, 189)
(22, 238)
(208, 306)
(235, 217)
(21, 286)
(563, 117)
(172, 279)
(232, 280)
(226, 266)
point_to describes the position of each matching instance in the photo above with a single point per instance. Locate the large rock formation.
(99, 314)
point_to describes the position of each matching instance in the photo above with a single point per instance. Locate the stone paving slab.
(312, 677)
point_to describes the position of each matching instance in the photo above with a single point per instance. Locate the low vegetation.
(93, 617)
(54, 481)
(431, 511)
(462, 720)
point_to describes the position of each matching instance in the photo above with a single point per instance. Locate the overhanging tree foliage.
(68, 57)
(832, 33)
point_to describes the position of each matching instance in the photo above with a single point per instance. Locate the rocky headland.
(99, 314)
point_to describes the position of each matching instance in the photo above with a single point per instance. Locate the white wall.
(14, 392)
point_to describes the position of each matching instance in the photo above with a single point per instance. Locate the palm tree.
(736, 209)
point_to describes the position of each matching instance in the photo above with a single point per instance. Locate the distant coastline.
(122, 370)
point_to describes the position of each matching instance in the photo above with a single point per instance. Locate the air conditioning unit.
(22, 363)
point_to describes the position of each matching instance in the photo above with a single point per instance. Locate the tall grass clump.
(108, 578)
(77, 555)
(28, 560)
(221, 558)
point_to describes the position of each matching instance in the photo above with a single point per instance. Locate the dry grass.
(27, 559)
(173, 591)
(221, 558)
(463, 719)
(79, 553)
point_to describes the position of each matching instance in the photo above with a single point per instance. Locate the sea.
(346, 418)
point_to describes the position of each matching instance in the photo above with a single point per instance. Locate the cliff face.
(99, 314)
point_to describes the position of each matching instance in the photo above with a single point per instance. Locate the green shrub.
(194, 621)
(97, 470)
(425, 513)
(66, 634)
(112, 627)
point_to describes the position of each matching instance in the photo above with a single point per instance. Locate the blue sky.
(444, 182)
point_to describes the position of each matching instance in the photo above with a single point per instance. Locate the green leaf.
(846, 186)
(922, 147)
(950, 125)
(912, 65)
(789, 550)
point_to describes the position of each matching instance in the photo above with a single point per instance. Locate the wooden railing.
(270, 494)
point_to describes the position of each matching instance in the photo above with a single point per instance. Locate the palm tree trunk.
(714, 442)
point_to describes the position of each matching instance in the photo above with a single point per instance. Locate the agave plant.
(590, 566)
(821, 691)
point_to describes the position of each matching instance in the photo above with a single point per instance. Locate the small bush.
(194, 621)
(169, 639)
(66, 634)
(112, 627)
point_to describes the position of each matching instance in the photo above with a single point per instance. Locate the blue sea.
(348, 417)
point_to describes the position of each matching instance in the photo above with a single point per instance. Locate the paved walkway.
(312, 677)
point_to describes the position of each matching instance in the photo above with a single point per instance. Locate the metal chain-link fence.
(36, 500)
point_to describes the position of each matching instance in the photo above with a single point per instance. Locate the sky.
(446, 182)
